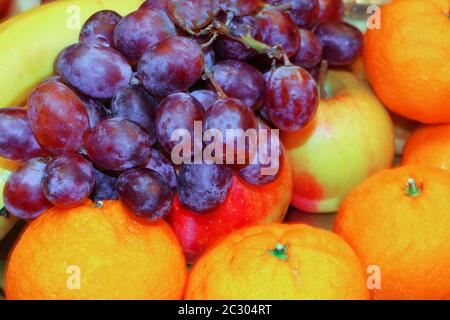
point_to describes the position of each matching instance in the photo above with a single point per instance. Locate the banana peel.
(31, 41)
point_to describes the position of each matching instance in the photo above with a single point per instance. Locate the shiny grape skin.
(154, 4)
(17, 141)
(190, 14)
(230, 114)
(94, 70)
(140, 30)
(205, 97)
(99, 28)
(136, 104)
(95, 109)
(241, 81)
(177, 111)
(58, 118)
(330, 10)
(304, 12)
(239, 7)
(277, 28)
(105, 187)
(146, 193)
(68, 180)
(160, 163)
(252, 173)
(291, 97)
(23, 195)
(228, 48)
(203, 187)
(310, 52)
(171, 65)
(117, 144)
(342, 42)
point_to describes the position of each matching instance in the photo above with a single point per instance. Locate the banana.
(30, 42)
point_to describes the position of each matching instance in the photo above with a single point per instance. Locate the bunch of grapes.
(101, 127)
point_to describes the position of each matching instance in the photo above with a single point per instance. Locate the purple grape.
(241, 81)
(231, 114)
(209, 57)
(170, 66)
(228, 48)
(330, 11)
(94, 70)
(310, 52)
(95, 109)
(68, 181)
(203, 187)
(178, 111)
(261, 170)
(23, 195)
(135, 104)
(342, 42)
(291, 97)
(154, 4)
(58, 118)
(277, 28)
(304, 12)
(17, 141)
(239, 7)
(105, 187)
(99, 28)
(118, 144)
(205, 97)
(146, 193)
(158, 162)
(190, 14)
(140, 30)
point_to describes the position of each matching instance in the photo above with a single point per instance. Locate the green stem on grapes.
(279, 7)
(280, 251)
(321, 80)
(275, 52)
(220, 93)
(412, 189)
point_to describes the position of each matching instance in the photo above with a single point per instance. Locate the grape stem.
(216, 86)
(280, 7)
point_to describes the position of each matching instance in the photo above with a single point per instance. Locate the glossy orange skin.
(429, 145)
(317, 265)
(245, 205)
(407, 238)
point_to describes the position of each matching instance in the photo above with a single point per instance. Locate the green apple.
(6, 223)
(351, 138)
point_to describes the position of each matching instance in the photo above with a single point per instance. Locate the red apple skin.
(4, 8)
(244, 206)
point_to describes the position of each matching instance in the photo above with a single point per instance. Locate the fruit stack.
(177, 131)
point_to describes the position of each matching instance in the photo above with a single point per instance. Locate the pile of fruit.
(122, 165)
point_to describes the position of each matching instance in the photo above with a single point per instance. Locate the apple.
(244, 206)
(4, 8)
(351, 138)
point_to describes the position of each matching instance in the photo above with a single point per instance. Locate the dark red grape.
(330, 10)
(209, 57)
(203, 187)
(99, 28)
(118, 144)
(140, 30)
(135, 104)
(239, 7)
(158, 162)
(178, 111)
(291, 97)
(23, 195)
(58, 118)
(146, 193)
(94, 70)
(277, 28)
(17, 141)
(228, 48)
(171, 65)
(68, 180)
(265, 165)
(154, 4)
(205, 97)
(310, 52)
(232, 114)
(190, 14)
(95, 109)
(105, 187)
(341, 42)
(304, 12)
(241, 81)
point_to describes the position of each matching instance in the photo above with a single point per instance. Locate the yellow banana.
(30, 42)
